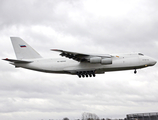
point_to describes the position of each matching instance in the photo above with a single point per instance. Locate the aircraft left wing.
(73, 55)
(80, 57)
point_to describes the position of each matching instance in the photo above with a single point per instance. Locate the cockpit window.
(140, 54)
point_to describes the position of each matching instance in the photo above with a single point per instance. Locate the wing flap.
(17, 61)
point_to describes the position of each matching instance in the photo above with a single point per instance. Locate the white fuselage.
(68, 66)
(81, 64)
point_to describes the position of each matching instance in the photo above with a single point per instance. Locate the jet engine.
(104, 61)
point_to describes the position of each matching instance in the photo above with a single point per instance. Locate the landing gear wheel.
(135, 71)
(86, 74)
(79, 76)
(83, 75)
(93, 75)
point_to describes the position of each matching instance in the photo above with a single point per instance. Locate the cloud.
(83, 26)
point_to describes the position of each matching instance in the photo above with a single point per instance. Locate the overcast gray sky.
(88, 26)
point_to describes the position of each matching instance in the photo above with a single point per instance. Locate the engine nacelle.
(95, 60)
(104, 61)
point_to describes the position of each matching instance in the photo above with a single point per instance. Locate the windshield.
(140, 54)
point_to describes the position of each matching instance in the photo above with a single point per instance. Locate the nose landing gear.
(135, 71)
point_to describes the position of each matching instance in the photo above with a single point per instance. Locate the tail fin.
(23, 50)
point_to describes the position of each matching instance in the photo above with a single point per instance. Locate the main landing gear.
(135, 71)
(86, 74)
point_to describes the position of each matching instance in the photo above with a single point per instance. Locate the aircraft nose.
(153, 61)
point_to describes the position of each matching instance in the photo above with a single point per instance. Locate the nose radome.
(153, 61)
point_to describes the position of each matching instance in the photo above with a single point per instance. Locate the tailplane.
(23, 50)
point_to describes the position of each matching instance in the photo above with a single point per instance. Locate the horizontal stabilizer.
(17, 61)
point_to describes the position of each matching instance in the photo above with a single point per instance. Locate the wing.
(73, 55)
(17, 61)
(80, 57)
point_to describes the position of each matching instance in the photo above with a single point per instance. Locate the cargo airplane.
(83, 65)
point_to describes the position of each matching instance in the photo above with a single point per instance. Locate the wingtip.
(54, 49)
(5, 59)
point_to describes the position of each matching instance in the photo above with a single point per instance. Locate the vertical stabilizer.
(23, 50)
